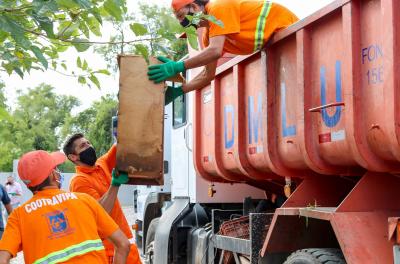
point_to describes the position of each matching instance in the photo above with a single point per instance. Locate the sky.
(69, 86)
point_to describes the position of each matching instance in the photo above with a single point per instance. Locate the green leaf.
(143, 50)
(94, 25)
(62, 48)
(45, 23)
(82, 80)
(61, 16)
(16, 30)
(96, 13)
(138, 29)
(85, 65)
(39, 55)
(84, 29)
(67, 3)
(47, 26)
(191, 35)
(42, 7)
(94, 80)
(3, 35)
(103, 71)
(19, 72)
(79, 62)
(64, 66)
(67, 29)
(214, 20)
(81, 45)
(113, 9)
(4, 115)
(85, 4)
(8, 67)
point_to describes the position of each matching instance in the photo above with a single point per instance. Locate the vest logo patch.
(58, 224)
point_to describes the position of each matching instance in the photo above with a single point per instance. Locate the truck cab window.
(179, 111)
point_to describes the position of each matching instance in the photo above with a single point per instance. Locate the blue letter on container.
(255, 119)
(286, 130)
(229, 142)
(331, 121)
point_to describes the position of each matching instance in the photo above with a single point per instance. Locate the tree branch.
(20, 8)
(92, 42)
(68, 75)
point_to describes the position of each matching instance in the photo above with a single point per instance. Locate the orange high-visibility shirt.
(247, 24)
(55, 226)
(96, 181)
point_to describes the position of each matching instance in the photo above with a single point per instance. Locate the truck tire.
(316, 256)
(151, 233)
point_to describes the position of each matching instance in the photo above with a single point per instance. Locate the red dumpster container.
(322, 98)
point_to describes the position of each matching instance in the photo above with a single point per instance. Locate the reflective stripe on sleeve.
(71, 251)
(261, 21)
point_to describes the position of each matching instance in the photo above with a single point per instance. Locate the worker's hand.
(161, 72)
(172, 93)
(119, 178)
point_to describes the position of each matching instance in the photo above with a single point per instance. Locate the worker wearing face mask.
(246, 26)
(96, 177)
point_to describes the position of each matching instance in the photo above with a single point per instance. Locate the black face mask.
(88, 156)
(186, 23)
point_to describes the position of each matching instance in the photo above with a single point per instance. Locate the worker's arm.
(209, 55)
(203, 79)
(108, 199)
(110, 157)
(5, 257)
(169, 68)
(82, 185)
(122, 246)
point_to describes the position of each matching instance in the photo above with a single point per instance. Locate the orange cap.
(178, 4)
(35, 166)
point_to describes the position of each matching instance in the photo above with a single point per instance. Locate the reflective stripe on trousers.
(261, 21)
(71, 251)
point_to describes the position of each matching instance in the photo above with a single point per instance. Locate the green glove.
(172, 93)
(161, 72)
(119, 179)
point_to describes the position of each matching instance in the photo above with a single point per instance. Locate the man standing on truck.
(247, 27)
(56, 226)
(98, 178)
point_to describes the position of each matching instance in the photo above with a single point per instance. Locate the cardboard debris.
(140, 123)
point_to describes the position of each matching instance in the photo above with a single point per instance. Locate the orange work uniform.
(55, 226)
(247, 24)
(96, 181)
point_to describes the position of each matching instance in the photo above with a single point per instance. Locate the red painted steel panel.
(204, 126)
(229, 116)
(255, 115)
(284, 116)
